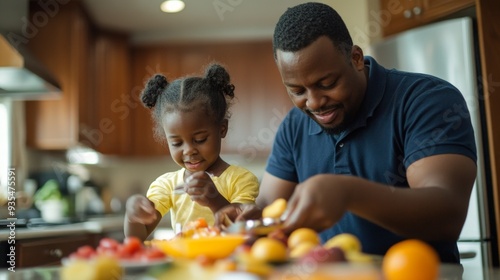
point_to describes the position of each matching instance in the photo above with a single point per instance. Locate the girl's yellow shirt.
(236, 184)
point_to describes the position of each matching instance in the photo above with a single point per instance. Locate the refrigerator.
(447, 49)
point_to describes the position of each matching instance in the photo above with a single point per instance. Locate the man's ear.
(358, 58)
(223, 128)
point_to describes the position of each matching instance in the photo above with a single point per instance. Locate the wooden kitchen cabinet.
(92, 67)
(50, 251)
(261, 101)
(400, 15)
(489, 44)
(62, 46)
(145, 63)
(106, 105)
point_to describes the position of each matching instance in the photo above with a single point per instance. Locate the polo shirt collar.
(373, 96)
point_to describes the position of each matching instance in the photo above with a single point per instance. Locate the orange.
(302, 235)
(269, 250)
(411, 260)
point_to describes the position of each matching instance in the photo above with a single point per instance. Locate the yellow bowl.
(215, 247)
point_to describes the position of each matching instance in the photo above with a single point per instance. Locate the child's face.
(193, 138)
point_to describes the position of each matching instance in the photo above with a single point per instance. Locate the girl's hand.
(140, 210)
(200, 187)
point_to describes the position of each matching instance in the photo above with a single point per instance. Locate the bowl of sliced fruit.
(213, 247)
(197, 239)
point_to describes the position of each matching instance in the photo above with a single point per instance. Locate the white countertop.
(92, 225)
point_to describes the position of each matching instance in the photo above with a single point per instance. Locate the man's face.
(324, 83)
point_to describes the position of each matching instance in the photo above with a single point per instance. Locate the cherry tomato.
(85, 252)
(132, 244)
(106, 251)
(124, 252)
(151, 254)
(108, 243)
(132, 248)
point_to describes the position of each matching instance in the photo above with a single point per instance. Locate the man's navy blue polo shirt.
(404, 117)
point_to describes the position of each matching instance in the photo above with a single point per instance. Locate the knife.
(254, 227)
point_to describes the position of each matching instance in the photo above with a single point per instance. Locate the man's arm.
(433, 208)
(272, 188)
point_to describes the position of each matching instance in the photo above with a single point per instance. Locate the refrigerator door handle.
(467, 254)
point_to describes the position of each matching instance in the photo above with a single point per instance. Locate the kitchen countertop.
(97, 224)
(447, 272)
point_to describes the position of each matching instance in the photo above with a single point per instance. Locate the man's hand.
(317, 203)
(237, 212)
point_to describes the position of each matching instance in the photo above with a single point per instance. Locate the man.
(378, 153)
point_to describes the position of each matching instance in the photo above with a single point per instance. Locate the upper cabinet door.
(62, 46)
(400, 15)
(106, 119)
(435, 9)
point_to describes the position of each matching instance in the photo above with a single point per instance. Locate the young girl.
(191, 113)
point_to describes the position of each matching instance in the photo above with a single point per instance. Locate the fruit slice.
(275, 209)
(346, 241)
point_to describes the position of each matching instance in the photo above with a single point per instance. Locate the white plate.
(127, 264)
(131, 264)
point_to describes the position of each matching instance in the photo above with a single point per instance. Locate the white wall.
(361, 18)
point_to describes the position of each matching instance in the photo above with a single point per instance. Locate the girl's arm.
(141, 217)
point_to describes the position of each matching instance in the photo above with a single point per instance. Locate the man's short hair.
(303, 24)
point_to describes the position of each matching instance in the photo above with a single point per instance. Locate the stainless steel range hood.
(22, 77)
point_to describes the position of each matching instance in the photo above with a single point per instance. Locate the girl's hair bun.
(219, 79)
(154, 88)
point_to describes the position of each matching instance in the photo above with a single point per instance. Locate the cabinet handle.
(417, 10)
(407, 13)
(56, 253)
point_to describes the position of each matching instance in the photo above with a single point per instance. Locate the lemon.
(107, 268)
(269, 250)
(275, 209)
(102, 268)
(301, 235)
(346, 241)
(302, 249)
